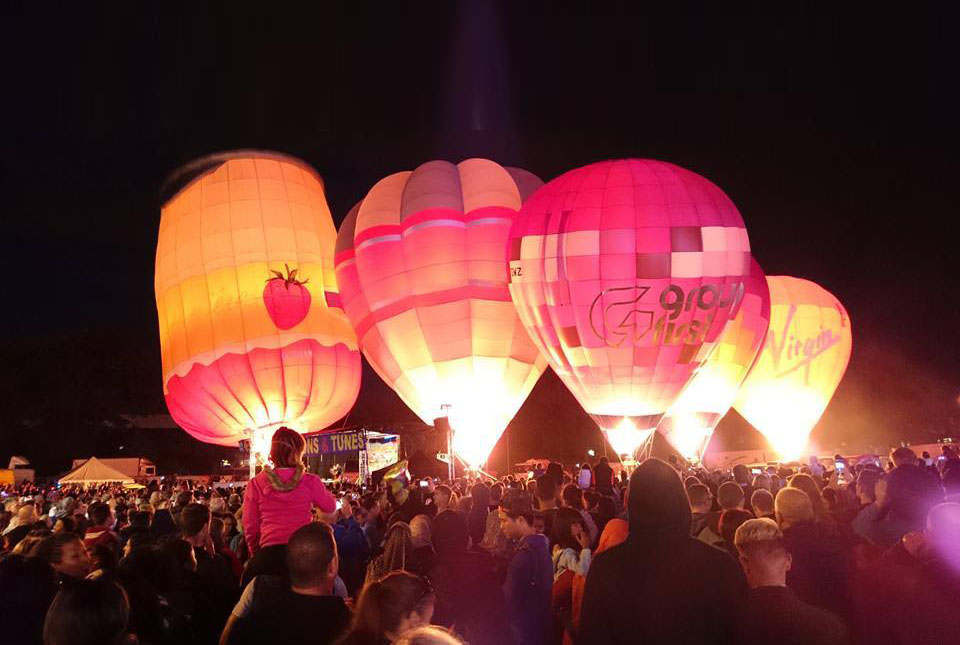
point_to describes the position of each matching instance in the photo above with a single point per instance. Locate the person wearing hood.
(162, 524)
(661, 585)
(277, 502)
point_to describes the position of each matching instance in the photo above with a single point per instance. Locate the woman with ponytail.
(277, 502)
(389, 607)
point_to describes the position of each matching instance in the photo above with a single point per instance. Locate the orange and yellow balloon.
(252, 333)
(711, 392)
(806, 352)
(422, 264)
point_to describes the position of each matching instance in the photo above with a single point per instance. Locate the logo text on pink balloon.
(619, 316)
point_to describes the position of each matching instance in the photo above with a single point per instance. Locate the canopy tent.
(94, 471)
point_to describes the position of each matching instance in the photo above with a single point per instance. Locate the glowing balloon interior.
(422, 264)
(803, 360)
(626, 439)
(624, 273)
(712, 390)
(252, 334)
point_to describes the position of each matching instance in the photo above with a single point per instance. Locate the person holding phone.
(840, 466)
(571, 544)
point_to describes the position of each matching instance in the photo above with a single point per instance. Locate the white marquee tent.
(94, 471)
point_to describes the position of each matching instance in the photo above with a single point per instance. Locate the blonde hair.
(758, 531)
(794, 505)
(428, 635)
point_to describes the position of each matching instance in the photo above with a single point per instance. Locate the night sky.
(832, 128)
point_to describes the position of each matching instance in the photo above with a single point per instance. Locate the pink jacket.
(270, 516)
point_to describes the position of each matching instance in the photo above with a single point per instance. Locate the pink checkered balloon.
(625, 273)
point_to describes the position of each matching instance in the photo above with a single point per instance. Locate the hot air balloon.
(625, 273)
(802, 361)
(252, 332)
(422, 264)
(711, 392)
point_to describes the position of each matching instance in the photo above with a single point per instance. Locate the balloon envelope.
(625, 273)
(804, 357)
(422, 263)
(711, 392)
(246, 347)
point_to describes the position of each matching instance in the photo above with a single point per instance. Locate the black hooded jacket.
(469, 596)
(661, 585)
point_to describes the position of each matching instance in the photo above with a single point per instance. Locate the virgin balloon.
(802, 362)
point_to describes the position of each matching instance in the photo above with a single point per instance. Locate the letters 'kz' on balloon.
(708, 396)
(625, 273)
(805, 355)
(251, 330)
(422, 264)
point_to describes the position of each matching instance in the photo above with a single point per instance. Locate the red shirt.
(96, 535)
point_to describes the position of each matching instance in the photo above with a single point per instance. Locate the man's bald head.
(312, 556)
(27, 513)
(420, 531)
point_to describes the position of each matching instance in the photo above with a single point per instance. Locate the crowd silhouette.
(864, 553)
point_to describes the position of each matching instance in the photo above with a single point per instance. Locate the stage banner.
(333, 443)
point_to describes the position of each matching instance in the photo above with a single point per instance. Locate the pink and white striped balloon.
(421, 263)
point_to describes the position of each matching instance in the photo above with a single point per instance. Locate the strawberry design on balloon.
(286, 298)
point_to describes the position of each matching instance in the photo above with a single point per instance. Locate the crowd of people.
(671, 554)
